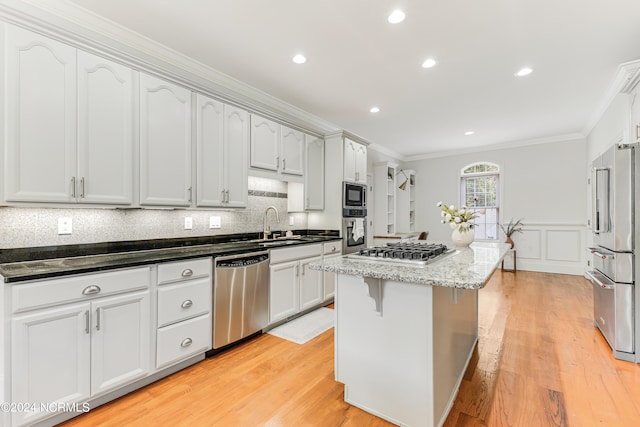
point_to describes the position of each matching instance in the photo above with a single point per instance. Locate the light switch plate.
(292, 220)
(65, 226)
(215, 222)
(188, 223)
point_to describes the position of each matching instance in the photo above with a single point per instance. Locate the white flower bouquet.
(462, 218)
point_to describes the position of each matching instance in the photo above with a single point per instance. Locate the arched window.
(479, 191)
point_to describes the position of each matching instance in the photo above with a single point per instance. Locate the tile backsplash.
(27, 227)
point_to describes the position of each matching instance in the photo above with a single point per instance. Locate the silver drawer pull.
(186, 342)
(187, 273)
(187, 304)
(93, 289)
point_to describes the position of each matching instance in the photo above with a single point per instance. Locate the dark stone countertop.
(18, 265)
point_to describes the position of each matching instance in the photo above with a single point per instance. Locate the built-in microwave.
(354, 196)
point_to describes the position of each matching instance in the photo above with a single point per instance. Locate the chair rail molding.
(552, 246)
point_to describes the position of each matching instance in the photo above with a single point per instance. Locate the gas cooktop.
(412, 252)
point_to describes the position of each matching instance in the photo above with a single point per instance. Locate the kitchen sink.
(278, 242)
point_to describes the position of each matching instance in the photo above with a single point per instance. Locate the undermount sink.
(278, 242)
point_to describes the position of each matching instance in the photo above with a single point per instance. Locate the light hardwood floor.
(539, 362)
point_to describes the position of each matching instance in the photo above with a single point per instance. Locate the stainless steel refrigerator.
(612, 272)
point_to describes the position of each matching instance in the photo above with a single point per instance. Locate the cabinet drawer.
(184, 300)
(57, 291)
(295, 252)
(184, 270)
(181, 340)
(332, 247)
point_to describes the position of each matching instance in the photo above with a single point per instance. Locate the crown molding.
(500, 146)
(88, 31)
(626, 78)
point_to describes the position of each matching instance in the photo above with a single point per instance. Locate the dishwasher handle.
(243, 260)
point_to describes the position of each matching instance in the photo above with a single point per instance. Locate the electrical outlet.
(292, 220)
(65, 226)
(215, 222)
(188, 223)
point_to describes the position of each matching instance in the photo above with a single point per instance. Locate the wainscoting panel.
(553, 247)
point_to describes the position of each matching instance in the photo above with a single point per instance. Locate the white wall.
(544, 184)
(612, 127)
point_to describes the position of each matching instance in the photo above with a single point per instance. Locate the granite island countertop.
(467, 268)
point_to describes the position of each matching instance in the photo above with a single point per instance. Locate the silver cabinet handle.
(87, 327)
(187, 273)
(284, 164)
(278, 162)
(186, 342)
(224, 196)
(97, 319)
(90, 290)
(333, 249)
(186, 304)
(638, 132)
(303, 268)
(190, 191)
(82, 187)
(227, 196)
(73, 187)
(297, 271)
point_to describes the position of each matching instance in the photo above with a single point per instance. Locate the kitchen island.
(404, 334)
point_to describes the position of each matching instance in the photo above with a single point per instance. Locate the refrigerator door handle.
(596, 281)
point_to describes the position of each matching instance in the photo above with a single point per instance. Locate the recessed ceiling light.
(374, 110)
(524, 72)
(396, 17)
(299, 59)
(469, 132)
(429, 63)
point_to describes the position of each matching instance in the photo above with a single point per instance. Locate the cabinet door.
(283, 290)
(314, 174)
(40, 90)
(50, 353)
(105, 131)
(361, 164)
(292, 151)
(210, 153)
(165, 143)
(349, 160)
(236, 131)
(265, 142)
(329, 279)
(120, 340)
(310, 284)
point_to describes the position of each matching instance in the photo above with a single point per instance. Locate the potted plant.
(511, 228)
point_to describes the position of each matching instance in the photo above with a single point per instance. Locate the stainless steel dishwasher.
(240, 297)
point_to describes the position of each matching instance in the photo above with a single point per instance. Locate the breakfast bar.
(404, 334)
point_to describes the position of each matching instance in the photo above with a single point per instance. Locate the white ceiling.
(356, 60)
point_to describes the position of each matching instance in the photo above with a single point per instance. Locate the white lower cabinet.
(184, 310)
(330, 250)
(293, 286)
(70, 350)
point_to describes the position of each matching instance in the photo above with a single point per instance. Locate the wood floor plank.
(539, 362)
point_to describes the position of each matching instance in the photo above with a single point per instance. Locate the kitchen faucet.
(266, 230)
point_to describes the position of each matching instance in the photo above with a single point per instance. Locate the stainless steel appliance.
(354, 234)
(240, 297)
(354, 196)
(612, 274)
(413, 252)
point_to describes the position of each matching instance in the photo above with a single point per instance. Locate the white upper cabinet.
(276, 148)
(165, 143)
(314, 176)
(292, 151)
(355, 162)
(265, 143)
(105, 131)
(69, 124)
(222, 139)
(40, 111)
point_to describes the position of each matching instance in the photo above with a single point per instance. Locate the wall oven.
(354, 234)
